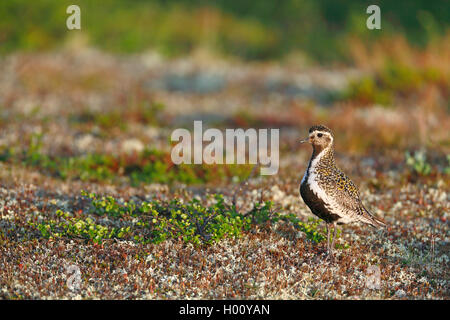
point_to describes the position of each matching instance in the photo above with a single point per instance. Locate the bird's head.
(320, 137)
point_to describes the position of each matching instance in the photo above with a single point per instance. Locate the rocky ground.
(85, 120)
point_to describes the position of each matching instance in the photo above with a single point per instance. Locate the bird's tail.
(370, 219)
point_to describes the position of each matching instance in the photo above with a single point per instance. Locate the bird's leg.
(334, 237)
(328, 238)
(331, 247)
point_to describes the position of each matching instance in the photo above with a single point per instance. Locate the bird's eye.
(319, 135)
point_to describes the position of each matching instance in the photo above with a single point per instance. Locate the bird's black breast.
(315, 204)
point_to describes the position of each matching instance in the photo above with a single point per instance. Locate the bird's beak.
(304, 140)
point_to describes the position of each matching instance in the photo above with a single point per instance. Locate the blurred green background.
(247, 29)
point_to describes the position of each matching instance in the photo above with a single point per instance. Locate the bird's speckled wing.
(344, 192)
(346, 197)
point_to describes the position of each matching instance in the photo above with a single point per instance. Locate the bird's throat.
(324, 153)
(317, 149)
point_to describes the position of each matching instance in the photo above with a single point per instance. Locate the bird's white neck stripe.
(315, 161)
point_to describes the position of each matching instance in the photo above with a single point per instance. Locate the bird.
(327, 191)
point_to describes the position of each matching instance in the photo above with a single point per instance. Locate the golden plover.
(327, 191)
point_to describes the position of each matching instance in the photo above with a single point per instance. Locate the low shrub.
(156, 221)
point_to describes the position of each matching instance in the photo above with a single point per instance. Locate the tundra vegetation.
(87, 179)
